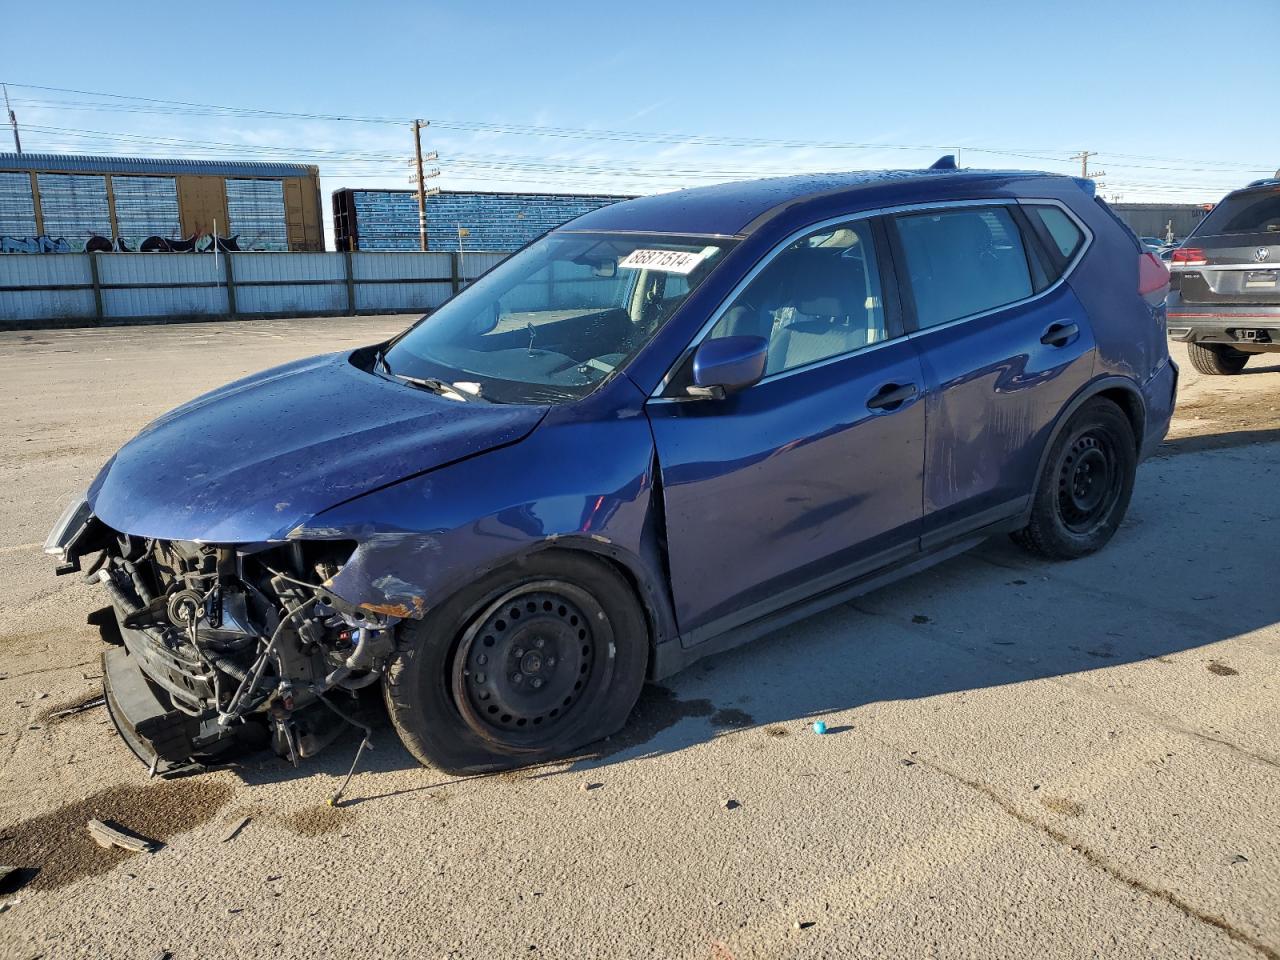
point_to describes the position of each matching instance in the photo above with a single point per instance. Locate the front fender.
(575, 483)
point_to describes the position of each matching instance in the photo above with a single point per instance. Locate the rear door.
(812, 476)
(1004, 344)
(1233, 257)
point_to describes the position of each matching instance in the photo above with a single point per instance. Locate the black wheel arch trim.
(1082, 396)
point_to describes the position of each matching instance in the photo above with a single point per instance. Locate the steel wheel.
(438, 692)
(1083, 490)
(1088, 482)
(531, 663)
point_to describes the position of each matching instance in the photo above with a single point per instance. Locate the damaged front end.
(219, 645)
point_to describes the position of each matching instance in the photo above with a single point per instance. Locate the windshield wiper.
(437, 386)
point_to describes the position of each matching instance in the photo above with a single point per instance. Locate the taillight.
(1153, 275)
(1193, 256)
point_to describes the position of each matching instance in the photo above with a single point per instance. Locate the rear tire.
(1083, 493)
(530, 662)
(1216, 360)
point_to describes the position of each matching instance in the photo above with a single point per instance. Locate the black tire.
(1216, 360)
(1082, 495)
(452, 689)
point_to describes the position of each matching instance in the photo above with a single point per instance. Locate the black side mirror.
(728, 364)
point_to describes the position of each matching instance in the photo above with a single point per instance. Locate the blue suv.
(669, 426)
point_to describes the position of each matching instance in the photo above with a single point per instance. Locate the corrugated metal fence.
(87, 288)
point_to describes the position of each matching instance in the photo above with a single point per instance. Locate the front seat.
(828, 295)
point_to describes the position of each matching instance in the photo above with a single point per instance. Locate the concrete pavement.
(1026, 759)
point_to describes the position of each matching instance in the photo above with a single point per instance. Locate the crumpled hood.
(252, 460)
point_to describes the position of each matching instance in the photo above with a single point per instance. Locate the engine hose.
(361, 659)
(228, 667)
(116, 594)
(143, 593)
(359, 682)
(335, 677)
(91, 574)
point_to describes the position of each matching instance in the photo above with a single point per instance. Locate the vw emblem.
(1261, 253)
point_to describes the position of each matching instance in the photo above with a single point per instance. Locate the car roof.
(738, 208)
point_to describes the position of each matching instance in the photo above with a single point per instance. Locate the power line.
(554, 166)
(350, 118)
(149, 104)
(497, 161)
(160, 106)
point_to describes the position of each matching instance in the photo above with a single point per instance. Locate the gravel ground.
(1025, 758)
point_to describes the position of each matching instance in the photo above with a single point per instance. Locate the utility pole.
(421, 177)
(422, 185)
(1083, 156)
(13, 122)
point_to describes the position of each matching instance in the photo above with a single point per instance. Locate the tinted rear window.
(964, 261)
(1254, 212)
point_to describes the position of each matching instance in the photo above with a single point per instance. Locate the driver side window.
(818, 298)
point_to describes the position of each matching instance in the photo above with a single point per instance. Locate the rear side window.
(1257, 212)
(1062, 230)
(963, 261)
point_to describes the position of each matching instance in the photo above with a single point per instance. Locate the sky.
(651, 96)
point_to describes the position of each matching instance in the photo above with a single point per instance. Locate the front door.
(812, 476)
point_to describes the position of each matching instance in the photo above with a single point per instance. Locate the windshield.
(555, 319)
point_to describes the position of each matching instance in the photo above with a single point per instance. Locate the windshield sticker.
(668, 261)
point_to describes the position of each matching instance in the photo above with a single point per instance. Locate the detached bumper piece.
(160, 737)
(153, 697)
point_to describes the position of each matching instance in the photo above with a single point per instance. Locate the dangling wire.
(365, 744)
(250, 681)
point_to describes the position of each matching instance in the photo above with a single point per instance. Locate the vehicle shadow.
(1174, 579)
(1257, 365)
(1217, 441)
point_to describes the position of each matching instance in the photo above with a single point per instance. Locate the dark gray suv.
(1224, 298)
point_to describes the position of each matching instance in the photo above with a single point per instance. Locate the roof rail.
(945, 162)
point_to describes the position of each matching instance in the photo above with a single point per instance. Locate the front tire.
(1216, 360)
(531, 662)
(1083, 493)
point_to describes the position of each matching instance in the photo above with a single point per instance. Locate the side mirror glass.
(728, 364)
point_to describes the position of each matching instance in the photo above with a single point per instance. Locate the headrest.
(826, 285)
(822, 306)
